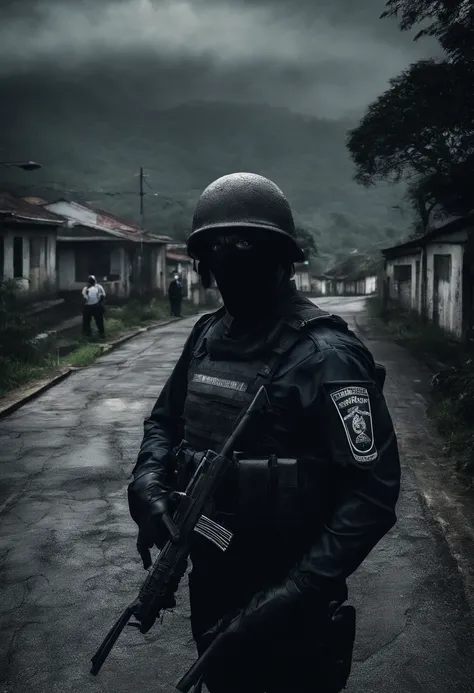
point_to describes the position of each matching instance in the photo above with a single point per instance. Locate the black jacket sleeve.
(163, 429)
(352, 416)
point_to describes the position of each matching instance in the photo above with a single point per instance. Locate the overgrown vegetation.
(408, 134)
(24, 359)
(452, 364)
(182, 149)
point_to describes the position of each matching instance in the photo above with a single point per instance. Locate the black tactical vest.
(219, 390)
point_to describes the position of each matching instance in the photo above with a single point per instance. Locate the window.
(18, 257)
(92, 260)
(442, 267)
(402, 273)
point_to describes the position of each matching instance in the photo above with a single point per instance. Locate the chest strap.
(291, 334)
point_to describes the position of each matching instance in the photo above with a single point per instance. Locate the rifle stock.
(164, 577)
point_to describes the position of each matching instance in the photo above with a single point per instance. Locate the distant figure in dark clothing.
(175, 293)
(94, 296)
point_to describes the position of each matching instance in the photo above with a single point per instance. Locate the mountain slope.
(184, 148)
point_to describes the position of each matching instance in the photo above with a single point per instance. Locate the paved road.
(68, 562)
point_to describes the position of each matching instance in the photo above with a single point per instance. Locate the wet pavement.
(67, 544)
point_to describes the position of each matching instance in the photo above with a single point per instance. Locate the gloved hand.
(268, 614)
(246, 650)
(149, 501)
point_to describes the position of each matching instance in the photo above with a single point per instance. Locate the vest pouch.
(268, 495)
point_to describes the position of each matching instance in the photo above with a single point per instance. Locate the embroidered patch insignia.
(353, 407)
(219, 382)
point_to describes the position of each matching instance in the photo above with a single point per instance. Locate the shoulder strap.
(291, 334)
(206, 325)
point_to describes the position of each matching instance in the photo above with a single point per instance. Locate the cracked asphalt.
(68, 564)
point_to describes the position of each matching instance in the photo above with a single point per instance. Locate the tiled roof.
(116, 226)
(18, 208)
(180, 258)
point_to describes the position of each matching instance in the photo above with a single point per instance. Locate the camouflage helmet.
(244, 200)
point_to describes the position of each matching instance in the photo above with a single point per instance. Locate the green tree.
(421, 131)
(451, 22)
(306, 241)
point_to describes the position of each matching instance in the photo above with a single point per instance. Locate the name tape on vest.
(219, 382)
(353, 407)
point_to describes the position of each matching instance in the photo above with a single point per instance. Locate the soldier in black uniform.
(311, 494)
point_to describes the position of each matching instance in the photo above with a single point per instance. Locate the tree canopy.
(451, 22)
(421, 130)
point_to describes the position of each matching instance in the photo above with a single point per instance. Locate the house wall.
(370, 285)
(302, 280)
(160, 261)
(33, 278)
(320, 286)
(404, 290)
(67, 270)
(444, 265)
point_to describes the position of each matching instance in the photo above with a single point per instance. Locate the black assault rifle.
(165, 575)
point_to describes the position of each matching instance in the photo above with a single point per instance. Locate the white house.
(302, 278)
(179, 261)
(434, 275)
(117, 252)
(28, 244)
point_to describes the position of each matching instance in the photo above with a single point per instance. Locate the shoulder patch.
(353, 406)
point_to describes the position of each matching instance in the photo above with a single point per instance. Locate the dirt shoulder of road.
(451, 406)
(425, 445)
(80, 358)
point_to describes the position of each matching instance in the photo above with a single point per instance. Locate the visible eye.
(215, 247)
(243, 244)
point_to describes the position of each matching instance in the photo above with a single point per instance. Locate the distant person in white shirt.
(94, 296)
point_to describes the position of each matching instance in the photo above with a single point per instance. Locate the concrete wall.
(33, 278)
(191, 280)
(405, 292)
(118, 265)
(444, 293)
(160, 260)
(319, 286)
(302, 280)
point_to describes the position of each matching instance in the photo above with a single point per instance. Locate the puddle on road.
(117, 404)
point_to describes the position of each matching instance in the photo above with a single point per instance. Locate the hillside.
(185, 147)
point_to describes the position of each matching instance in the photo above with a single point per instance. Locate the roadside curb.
(28, 394)
(107, 348)
(33, 392)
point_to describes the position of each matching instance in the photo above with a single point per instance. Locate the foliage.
(451, 22)
(17, 329)
(182, 149)
(306, 241)
(452, 365)
(421, 130)
(420, 125)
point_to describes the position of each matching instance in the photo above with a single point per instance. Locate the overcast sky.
(328, 58)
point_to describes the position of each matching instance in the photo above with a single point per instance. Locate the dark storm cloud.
(326, 57)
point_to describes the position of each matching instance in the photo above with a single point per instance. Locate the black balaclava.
(249, 279)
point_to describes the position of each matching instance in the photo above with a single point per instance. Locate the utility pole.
(142, 195)
(142, 226)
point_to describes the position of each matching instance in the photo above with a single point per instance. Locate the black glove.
(149, 502)
(245, 651)
(269, 613)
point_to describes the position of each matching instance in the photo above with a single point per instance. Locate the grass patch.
(83, 356)
(119, 321)
(426, 341)
(15, 373)
(452, 406)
